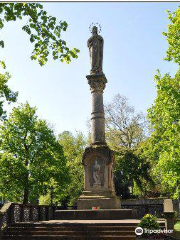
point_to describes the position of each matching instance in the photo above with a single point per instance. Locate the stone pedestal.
(169, 221)
(102, 214)
(98, 161)
(169, 215)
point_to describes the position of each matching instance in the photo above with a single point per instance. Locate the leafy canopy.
(73, 146)
(44, 31)
(6, 94)
(164, 116)
(32, 160)
(173, 36)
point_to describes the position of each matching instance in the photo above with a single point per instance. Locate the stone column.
(169, 215)
(97, 85)
(98, 158)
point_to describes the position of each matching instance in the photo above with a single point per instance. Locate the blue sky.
(134, 48)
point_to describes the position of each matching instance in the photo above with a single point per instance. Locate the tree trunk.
(26, 190)
(26, 195)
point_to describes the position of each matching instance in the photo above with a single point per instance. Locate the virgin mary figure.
(95, 45)
(96, 173)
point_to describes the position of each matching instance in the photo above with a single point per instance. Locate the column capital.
(97, 82)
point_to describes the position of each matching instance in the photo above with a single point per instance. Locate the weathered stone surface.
(85, 202)
(97, 85)
(114, 214)
(98, 191)
(95, 44)
(104, 157)
(98, 159)
(168, 205)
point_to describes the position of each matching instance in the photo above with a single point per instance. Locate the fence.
(142, 209)
(13, 212)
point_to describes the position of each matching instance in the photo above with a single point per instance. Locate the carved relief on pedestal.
(98, 163)
(96, 172)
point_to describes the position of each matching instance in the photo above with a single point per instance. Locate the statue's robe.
(95, 44)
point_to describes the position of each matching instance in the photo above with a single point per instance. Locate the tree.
(44, 32)
(31, 157)
(132, 169)
(125, 130)
(165, 121)
(73, 147)
(6, 94)
(173, 36)
(125, 127)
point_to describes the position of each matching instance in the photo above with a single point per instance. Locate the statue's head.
(95, 30)
(96, 162)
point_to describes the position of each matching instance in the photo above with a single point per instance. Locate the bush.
(149, 222)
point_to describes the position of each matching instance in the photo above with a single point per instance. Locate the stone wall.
(150, 205)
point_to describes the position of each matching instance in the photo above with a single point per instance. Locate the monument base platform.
(102, 214)
(101, 199)
(101, 202)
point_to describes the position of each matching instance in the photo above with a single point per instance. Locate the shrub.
(149, 222)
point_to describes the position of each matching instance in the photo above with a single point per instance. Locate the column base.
(103, 201)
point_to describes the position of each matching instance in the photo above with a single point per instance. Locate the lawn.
(177, 230)
(177, 226)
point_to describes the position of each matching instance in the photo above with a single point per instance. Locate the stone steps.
(51, 237)
(72, 231)
(70, 228)
(77, 233)
(70, 224)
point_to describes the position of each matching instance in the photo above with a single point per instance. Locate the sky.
(134, 48)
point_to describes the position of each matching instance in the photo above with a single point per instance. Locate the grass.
(177, 226)
(177, 230)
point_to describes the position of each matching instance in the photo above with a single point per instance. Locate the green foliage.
(164, 116)
(177, 226)
(146, 151)
(44, 31)
(45, 200)
(149, 222)
(173, 36)
(132, 169)
(31, 160)
(5, 92)
(73, 147)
